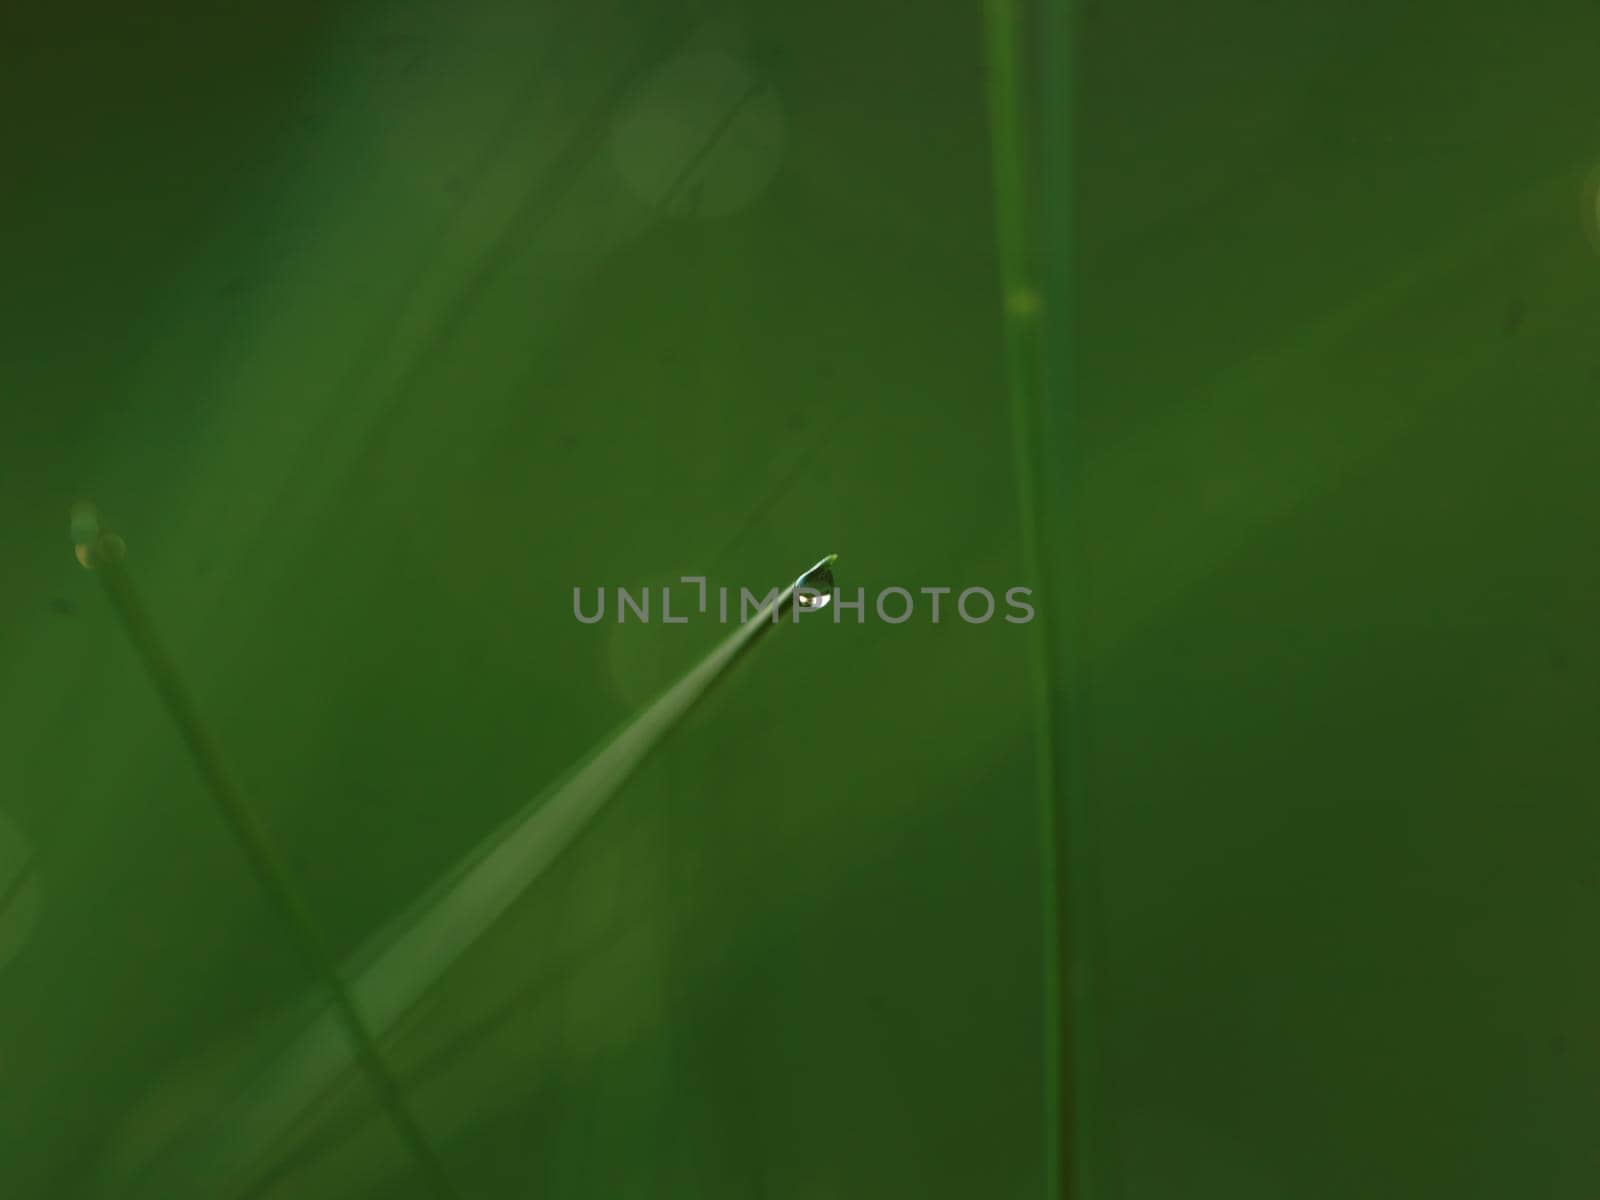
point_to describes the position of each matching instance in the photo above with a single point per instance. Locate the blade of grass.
(103, 551)
(464, 905)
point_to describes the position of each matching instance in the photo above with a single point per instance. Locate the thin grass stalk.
(1017, 211)
(104, 553)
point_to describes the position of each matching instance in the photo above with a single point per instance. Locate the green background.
(347, 318)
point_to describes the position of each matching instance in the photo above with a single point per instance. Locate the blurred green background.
(376, 328)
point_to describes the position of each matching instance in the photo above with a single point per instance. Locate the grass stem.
(1027, 305)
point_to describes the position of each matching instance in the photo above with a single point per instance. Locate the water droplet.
(814, 589)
